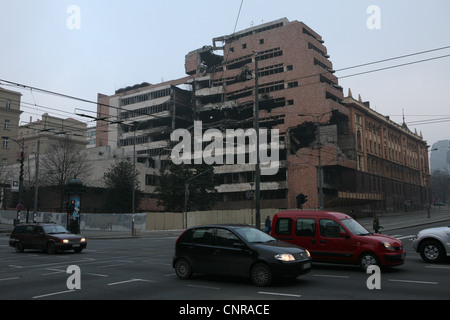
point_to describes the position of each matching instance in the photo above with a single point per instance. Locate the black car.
(238, 250)
(49, 237)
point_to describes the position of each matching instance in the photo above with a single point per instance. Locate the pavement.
(388, 221)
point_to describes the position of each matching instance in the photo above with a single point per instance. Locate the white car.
(433, 244)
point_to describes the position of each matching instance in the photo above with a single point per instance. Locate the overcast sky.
(81, 48)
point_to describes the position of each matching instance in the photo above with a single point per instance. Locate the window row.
(145, 97)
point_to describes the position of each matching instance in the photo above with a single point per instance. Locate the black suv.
(240, 251)
(45, 236)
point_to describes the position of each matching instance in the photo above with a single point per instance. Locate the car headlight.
(65, 241)
(388, 245)
(307, 252)
(83, 239)
(285, 257)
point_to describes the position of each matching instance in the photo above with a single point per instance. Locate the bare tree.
(440, 184)
(63, 163)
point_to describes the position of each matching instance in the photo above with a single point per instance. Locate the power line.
(395, 66)
(15, 84)
(395, 58)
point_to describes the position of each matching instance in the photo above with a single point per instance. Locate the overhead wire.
(32, 88)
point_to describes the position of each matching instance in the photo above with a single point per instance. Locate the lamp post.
(186, 194)
(36, 184)
(133, 182)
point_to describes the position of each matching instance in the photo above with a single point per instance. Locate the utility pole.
(36, 184)
(257, 167)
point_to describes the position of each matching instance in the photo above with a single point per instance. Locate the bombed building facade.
(281, 69)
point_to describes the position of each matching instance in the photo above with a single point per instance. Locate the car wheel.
(19, 247)
(368, 259)
(431, 251)
(51, 248)
(183, 269)
(261, 275)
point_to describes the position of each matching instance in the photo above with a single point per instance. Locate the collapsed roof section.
(203, 60)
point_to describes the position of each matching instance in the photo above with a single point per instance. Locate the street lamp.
(186, 194)
(319, 147)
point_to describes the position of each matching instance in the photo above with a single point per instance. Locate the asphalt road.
(140, 268)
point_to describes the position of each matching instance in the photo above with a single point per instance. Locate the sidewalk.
(389, 221)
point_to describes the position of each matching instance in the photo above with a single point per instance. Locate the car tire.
(368, 259)
(19, 247)
(261, 275)
(51, 248)
(183, 269)
(431, 251)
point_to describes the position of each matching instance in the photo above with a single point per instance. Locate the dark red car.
(336, 237)
(49, 237)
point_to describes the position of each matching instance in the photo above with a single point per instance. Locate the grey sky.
(121, 43)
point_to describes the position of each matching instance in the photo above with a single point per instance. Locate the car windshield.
(354, 227)
(254, 235)
(55, 229)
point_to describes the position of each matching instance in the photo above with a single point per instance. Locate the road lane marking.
(280, 294)
(413, 281)
(203, 287)
(13, 278)
(405, 237)
(438, 267)
(111, 265)
(330, 276)
(128, 281)
(52, 294)
(96, 274)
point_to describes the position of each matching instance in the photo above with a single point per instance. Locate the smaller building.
(49, 131)
(392, 168)
(9, 123)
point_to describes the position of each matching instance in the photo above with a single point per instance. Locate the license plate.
(75, 245)
(307, 265)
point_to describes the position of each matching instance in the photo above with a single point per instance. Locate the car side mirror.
(344, 234)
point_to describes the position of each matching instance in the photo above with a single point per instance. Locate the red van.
(336, 237)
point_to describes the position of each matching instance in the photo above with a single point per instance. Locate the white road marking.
(13, 278)
(330, 276)
(280, 294)
(203, 287)
(52, 294)
(128, 281)
(413, 281)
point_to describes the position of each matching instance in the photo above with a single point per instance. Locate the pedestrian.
(376, 224)
(352, 214)
(267, 224)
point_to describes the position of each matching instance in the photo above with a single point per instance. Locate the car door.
(305, 234)
(38, 240)
(332, 246)
(230, 254)
(199, 249)
(26, 237)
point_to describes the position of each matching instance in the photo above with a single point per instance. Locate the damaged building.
(282, 67)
